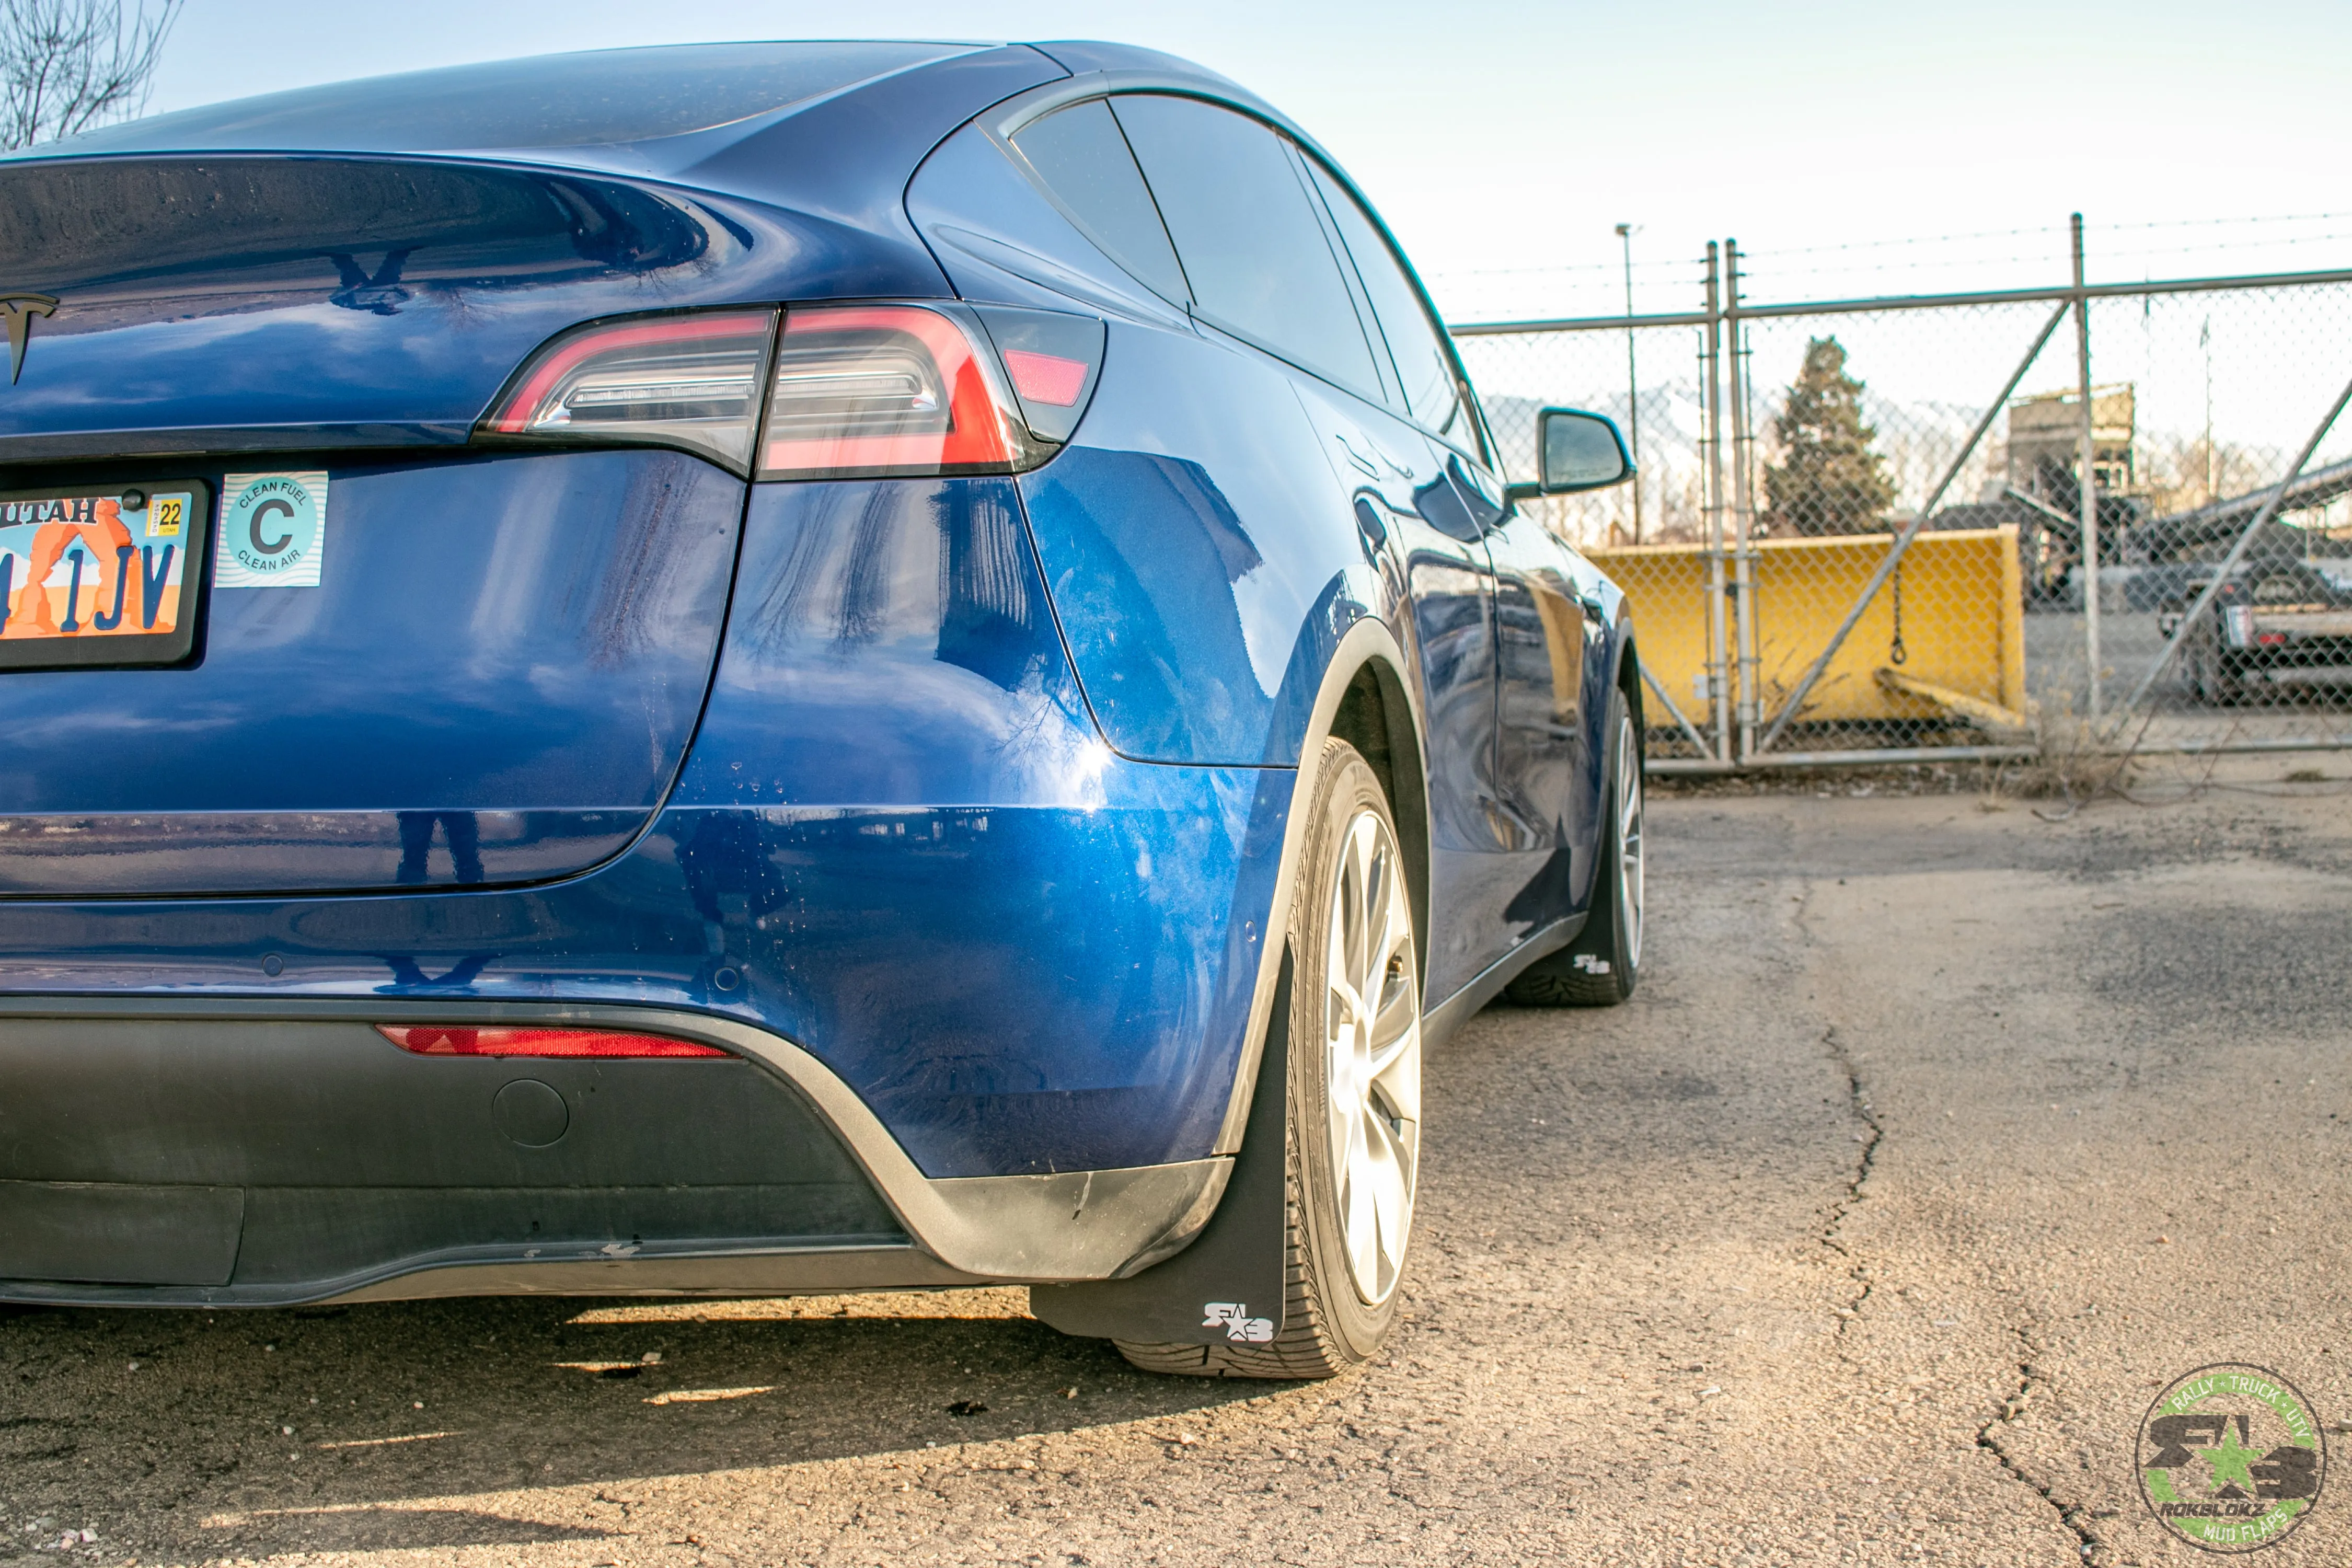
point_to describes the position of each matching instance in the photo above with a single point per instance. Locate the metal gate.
(1857, 534)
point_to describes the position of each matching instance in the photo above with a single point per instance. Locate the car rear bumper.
(185, 1152)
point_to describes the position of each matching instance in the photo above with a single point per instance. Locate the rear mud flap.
(1228, 1285)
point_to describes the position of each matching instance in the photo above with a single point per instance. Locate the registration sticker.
(273, 532)
(100, 575)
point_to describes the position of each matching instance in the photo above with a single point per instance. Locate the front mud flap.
(1228, 1285)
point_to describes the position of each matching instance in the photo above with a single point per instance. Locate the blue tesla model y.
(766, 668)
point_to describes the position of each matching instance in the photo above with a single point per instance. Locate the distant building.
(2045, 443)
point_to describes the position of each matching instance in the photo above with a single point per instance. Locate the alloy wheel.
(1373, 1054)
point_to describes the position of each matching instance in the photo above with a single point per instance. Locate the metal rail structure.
(1897, 541)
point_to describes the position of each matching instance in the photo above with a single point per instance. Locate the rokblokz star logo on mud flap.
(1233, 1317)
(2230, 1458)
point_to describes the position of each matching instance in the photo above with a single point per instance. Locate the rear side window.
(1421, 364)
(1083, 159)
(1246, 230)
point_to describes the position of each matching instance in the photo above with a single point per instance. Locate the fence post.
(2087, 511)
(1743, 517)
(1718, 643)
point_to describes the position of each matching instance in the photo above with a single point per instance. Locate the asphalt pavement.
(1938, 1138)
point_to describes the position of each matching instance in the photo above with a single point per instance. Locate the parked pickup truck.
(2276, 628)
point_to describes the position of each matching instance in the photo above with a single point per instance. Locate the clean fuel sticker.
(273, 531)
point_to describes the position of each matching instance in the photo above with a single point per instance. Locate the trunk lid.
(497, 672)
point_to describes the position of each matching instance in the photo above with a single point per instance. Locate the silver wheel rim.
(1629, 838)
(1371, 1052)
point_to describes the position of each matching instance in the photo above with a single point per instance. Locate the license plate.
(95, 575)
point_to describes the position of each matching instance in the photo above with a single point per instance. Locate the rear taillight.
(843, 391)
(475, 1040)
(688, 380)
(887, 389)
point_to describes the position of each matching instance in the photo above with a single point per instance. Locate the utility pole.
(2088, 492)
(2213, 471)
(1632, 382)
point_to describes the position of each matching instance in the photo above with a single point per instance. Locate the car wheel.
(1601, 968)
(2210, 673)
(1352, 1132)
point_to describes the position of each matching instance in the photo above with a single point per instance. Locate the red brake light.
(691, 380)
(885, 389)
(1046, 378)
(471, 1040)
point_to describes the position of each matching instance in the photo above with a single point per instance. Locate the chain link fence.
(1857, 532)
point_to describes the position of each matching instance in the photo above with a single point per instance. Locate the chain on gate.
(1896, 652)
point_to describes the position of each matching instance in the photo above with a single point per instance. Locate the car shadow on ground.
(292, 1429)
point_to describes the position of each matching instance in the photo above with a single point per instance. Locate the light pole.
(1632, 382)
(2212, 468)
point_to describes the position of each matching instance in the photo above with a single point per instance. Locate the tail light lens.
(469, 1040)
(887, 389)
(689, 379)
(843, 391)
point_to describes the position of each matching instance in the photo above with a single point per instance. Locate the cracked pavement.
(1936, 1139)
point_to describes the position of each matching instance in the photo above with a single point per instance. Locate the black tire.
(1329, 1322)
(1603, 965)
(2212, 675)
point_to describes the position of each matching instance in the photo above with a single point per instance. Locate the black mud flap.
(1228, 1285)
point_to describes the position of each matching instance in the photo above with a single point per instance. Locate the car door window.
(1432, 395)
(1252, 246)
(1082, 158)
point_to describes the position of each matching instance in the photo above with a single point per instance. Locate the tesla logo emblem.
(20, 309)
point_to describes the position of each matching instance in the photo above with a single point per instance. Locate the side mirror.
(1579, 451)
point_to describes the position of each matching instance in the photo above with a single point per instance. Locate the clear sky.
(1504, 141)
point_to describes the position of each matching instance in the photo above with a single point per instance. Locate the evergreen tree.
(1828, 479)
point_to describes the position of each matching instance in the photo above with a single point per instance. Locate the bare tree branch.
(69, 65)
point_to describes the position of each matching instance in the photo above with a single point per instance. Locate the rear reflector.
(688, 380)
(1052, 360)
(1046, 378)
(469, 1040)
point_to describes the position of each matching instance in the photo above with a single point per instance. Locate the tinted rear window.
(1251, 243)
(1081, 156)
(550, 100)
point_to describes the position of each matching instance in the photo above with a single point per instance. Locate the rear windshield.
(549, 100)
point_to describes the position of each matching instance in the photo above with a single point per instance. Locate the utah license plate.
(99, 576)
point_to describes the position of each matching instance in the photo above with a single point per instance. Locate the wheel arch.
(1626, 675)
(1367, 698)
(1375, 716)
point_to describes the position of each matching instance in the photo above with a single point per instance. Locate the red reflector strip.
(1046, 378)
(470, 1040)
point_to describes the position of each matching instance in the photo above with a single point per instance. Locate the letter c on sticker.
(253, 530)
